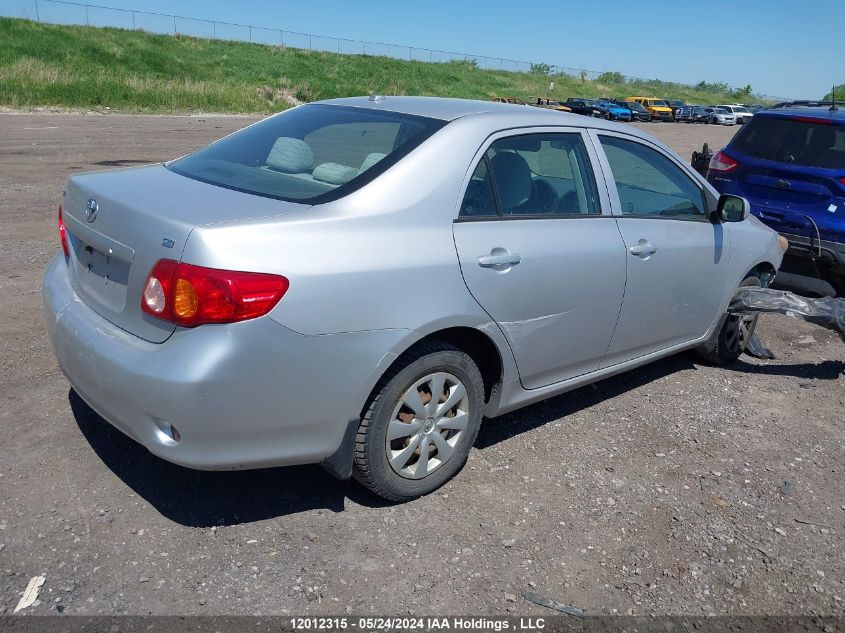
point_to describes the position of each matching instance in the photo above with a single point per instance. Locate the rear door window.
(533, 175)
(313, 153)
(792, 141)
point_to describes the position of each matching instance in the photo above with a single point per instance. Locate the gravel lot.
(675, 489)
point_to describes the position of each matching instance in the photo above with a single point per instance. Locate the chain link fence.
(76, 13)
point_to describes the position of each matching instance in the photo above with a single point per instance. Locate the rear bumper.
(243, 395)
(831, 253)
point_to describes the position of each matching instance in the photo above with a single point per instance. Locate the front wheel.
(419, 427)
(735, 334)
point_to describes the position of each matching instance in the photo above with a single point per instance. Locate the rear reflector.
(190, 295)
(63, 234)
(722, 163)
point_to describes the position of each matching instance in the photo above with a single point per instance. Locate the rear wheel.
(419, 427)
(735, 333)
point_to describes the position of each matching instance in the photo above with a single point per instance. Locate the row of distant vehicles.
(645, 109)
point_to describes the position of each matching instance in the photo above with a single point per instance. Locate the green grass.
(88, 67)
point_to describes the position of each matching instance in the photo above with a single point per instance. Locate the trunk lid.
(142, 214)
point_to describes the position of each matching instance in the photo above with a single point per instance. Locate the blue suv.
(789, 162)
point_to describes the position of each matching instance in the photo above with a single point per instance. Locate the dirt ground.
(675, 489)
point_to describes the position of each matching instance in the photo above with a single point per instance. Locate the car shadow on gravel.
(512, 424)
(523, 420)
(824, 370)
(203, 499)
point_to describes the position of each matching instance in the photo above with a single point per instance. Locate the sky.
(782, 48)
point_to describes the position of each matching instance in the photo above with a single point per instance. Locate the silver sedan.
(359, 282)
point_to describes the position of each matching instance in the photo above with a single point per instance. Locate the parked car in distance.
(256, 303)
(638, 113)
(699, 114)
(585, 107)
(659, 109)
(683, 114)
(719, 116)
(513, 100)
(693, 114)
(675, 104)
(741, 113)
(789, 163)
(612, 111)
(549, 104)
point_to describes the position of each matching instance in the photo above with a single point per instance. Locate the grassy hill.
(837, 94)
(88, 67)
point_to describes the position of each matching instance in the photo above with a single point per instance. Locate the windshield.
(312, 153)
(789, 141)
(659, 103)
(635, 106)
(721, 111)
(740, 109)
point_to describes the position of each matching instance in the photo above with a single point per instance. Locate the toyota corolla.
(359, 282)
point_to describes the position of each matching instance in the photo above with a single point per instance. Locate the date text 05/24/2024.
(477, 624)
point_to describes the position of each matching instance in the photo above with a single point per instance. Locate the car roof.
(499, 115)
(452, 109)
(815, 112)
(433, 107)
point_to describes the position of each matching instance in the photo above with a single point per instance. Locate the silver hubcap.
(736, 338)
(427, 424)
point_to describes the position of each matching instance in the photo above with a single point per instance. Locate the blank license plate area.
(103, 277)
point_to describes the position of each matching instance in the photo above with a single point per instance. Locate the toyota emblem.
(91, 210)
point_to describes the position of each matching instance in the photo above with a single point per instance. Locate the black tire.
(371, 466)
(733, 337)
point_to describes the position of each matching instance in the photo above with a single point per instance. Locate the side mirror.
(732, 208)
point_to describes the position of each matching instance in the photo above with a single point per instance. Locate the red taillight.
(193, 295)
(842, 180)
(722, 163)
(63, 234)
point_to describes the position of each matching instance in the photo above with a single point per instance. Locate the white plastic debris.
(31, 593)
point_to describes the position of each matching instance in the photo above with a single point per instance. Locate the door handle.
(643, 249)
(505, 259)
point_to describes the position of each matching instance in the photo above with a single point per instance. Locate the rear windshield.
(313, 153)
(791, 141)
